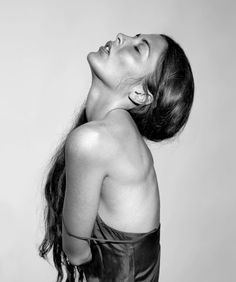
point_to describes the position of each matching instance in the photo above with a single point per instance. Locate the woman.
(103, 206)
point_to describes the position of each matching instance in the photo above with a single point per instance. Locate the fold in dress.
(121, 256)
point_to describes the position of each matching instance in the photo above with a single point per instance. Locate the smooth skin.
(109, 167)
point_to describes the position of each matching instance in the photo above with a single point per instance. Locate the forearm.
(77, 250)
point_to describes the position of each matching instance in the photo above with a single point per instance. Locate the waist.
(131, 218)
(105, 233)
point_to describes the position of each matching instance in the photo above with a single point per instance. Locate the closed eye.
(135, 47)
(146, 42)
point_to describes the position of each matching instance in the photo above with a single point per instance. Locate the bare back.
(129, 199)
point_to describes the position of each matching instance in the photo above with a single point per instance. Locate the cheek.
(124, 63)
(125, 59)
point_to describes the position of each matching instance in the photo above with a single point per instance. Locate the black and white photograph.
(118, 141)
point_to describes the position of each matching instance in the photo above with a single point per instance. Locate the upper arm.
(86, 161)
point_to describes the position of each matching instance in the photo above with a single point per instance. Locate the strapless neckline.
(126, 232)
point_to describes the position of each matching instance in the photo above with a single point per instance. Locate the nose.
(120, 38)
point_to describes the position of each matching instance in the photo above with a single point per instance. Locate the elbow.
(82, 260)
(76, 251)
(79, 259)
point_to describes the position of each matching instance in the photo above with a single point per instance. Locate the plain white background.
(44, 79)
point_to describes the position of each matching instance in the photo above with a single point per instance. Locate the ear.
(138, 96)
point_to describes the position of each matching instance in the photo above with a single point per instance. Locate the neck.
(100, 101)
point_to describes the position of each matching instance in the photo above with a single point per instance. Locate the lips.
(109, 45)
(103, 49)
(106, 48)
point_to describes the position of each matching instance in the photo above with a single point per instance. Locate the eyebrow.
(146, 42)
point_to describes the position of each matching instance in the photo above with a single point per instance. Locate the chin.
(94, 59)
(90, 57)
(95, 63)
(98, 68)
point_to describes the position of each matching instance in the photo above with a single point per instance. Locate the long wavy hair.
(172, 87)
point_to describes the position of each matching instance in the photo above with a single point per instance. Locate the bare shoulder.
(91, 139)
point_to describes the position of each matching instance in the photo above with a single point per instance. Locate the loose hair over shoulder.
(172, 87)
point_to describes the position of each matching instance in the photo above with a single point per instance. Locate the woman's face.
(127, 58)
